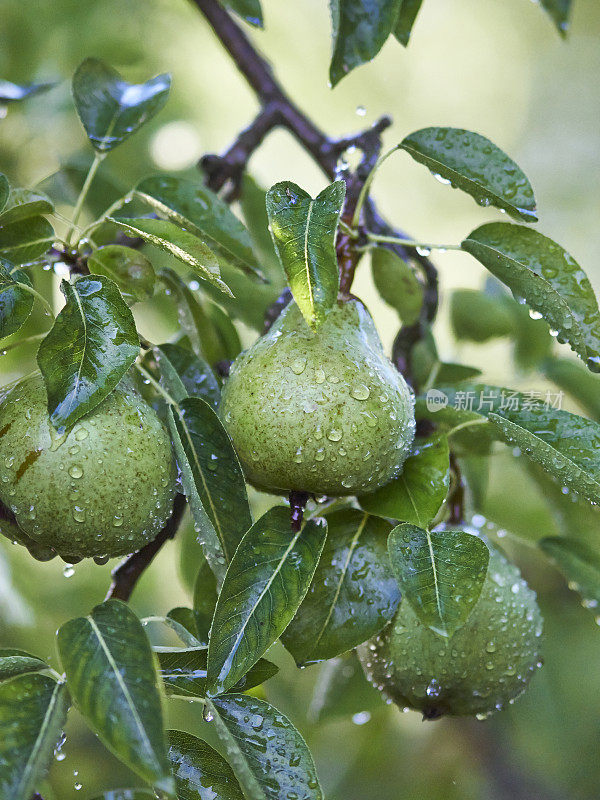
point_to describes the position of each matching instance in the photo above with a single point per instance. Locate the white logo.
(436, 400)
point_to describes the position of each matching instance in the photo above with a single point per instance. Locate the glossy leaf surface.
(18, 662)
(128, 268)
(15, 302)
(186, 375)
(24, 240)
(580, 565)
(24, 203)
(9, 92)
(200, 772)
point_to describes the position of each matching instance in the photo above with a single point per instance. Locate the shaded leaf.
(478, 317)
(406, 19)
(303, 232)
(269, 756)
(185, 246)
(24, 203)
(33, 711)
(18, 662)
(4, 190)
(341, 690)
(360, 29)
(559, 11)
(397, 284)
(205, 598)
(184, 672)
(353, 593)
(417, 494)
(128, 268)
(195, 208)
(24, 240)
(186, 375)
(547, 277)
(111, 109)
(9, 92)
(440, 574)
(127, 794)
(186, 617)
(571, 376)
(265, 583)
(248, 10)
(90, 347)
(112, 678)
(15, 302)
(448, 372)
(475, 165)
(200, 772)
(212, 479)
(580, 565)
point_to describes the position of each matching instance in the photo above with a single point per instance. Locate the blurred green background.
(494, 66)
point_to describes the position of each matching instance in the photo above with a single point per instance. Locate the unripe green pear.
(481, 667)
(319, 411)
(104, 488)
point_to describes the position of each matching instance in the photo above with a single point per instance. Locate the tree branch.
(129, 571)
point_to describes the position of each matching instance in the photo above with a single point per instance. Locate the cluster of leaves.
(360, 28)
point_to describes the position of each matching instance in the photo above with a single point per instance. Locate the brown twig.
(126, 575)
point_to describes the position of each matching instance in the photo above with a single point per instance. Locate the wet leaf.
(397, 284)
(359, 31)
(303, 232)
(24, 240)
(127, 794)
(248, 10)
(113, 681)
(128, 268)
(200, 772)
(417, 494)
(440, 574)
(559, 12)
(9, 92)
(265, 583)
(194, 207)
(212, 479)
(15, 302)
(406, 19)
(185, 246)
(580, 565)
(269, 756)
(111, 109)
(205, 598)
(186, 617)
(90, 347)
(475, 165)
(353, 593)
(547, 277)
(24, 203)
(186, 375)
(4, 190)
(18, 662)
(33, 711)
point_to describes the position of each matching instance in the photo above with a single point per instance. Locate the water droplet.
(78, 514)
(117, 520)
(81, 434)
(334, 435)
(68, 572)
(298, 366)
(361, 111)
(360, 392)
(319, 376)
(361, 718)
(75, 471)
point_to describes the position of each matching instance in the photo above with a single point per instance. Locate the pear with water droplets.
(103, 488)
(322, 411)
(484, 665)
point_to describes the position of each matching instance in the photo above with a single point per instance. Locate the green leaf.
(111, 109)
(353, 593)
(127, 794)
(9, 92)
(248, 10)
(33, 711)
(128, 268)
(478, 317)
(200, 772)
(212, 479)
(406, 19)
(440, 574)
(360, 29)
(205, 598)
(186, 617)
(269, 756)
(18, 662)
(90, 347)
(24, 203)
(265, 583)
(475, 165)
(15, 301)
(551, 281)
(571, 376)
(200, 211)
(186, 375)
(580, 565)
(4, 190)
(559, 12)
(24, 240)
(184, 246)
(303, 232)
(397, 284)
(112, 678)
(341, 690)
(448, 372)
(184, 672)
(417, 494)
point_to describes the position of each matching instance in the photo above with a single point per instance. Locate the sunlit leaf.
(24, 240)
(15, 302)
(406, 19)
(111, 109)
(113, 681)
(397, 284)
(200, 772)
(128, 268)
(472, 163)
(353, 594)
(303, 232)
(265, 583)
(440, 574)
(90, 348)
(186, 375)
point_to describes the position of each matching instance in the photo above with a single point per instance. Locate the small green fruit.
(482, 666)
(323, 412)
(104, 488)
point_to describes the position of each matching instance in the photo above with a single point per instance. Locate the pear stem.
(298, 501)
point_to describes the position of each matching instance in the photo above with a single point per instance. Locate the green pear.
(322, 411)
(103, 488)
(481, 667)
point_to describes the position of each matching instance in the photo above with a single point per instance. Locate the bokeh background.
(494, 66)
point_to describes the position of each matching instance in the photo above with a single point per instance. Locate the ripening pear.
(481, 667)
(322, 411)
(103, 488)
